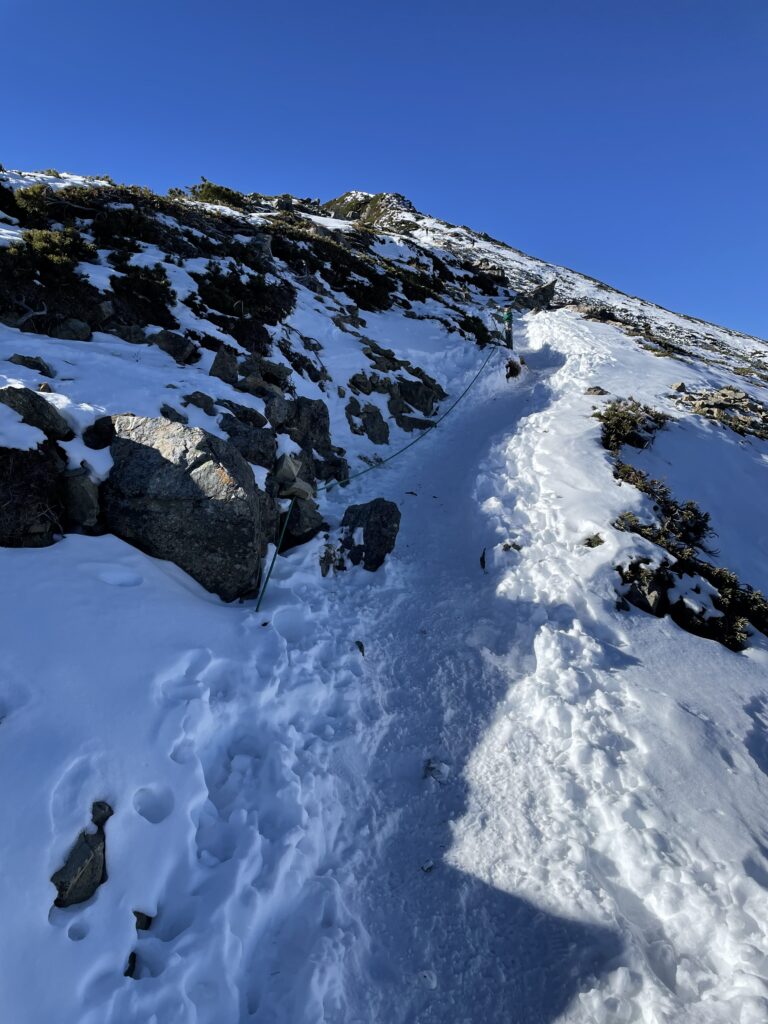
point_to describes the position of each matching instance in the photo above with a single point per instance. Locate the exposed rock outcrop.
(225, 365)
(182, 494)
(256, 444)
(37, 412)
(539, 298)
(367, 419)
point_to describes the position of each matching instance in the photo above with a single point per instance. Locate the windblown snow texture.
(424, 794)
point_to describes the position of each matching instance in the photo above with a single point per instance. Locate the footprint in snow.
(153, 803)
(113, 574)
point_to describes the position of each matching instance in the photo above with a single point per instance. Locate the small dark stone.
(99, 434)
(101, 812)
(380, 522)
(374, 424)
(182, 349)
(131, 333)
(130, 970)
(225, 365)
(32, 363)
(594, 541)
(143, 921)
(169, 413)
(81, 499)
(72, 329)
(201, 401)
(243, 412)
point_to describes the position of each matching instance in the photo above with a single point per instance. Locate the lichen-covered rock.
(37, 412)
(370, 532)
(182, 494)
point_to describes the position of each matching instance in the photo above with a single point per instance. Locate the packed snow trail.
(560, 799)
(443, 944)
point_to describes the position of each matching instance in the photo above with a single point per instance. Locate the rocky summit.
(384, 635)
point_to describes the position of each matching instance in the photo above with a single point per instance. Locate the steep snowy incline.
(396, 215)
(478, 784)
(565, 805)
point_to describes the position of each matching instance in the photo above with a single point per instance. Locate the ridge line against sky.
(625, 142)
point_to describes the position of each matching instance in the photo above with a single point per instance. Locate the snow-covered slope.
(477, 784)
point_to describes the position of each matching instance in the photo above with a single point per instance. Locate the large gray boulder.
(379, 521)
(182, 494)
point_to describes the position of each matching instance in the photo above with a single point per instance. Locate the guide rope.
(423, 434)
(377, 465)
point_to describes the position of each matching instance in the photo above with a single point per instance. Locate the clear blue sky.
(624, 138)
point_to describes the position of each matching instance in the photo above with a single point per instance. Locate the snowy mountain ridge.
(516, 772)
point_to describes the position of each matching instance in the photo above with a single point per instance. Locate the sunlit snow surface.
(589, 842)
